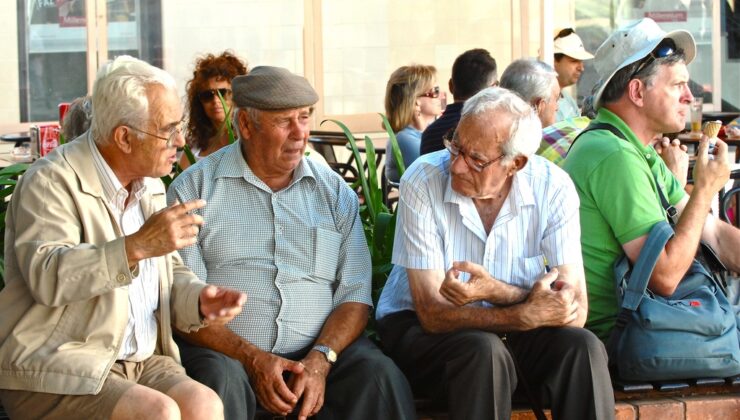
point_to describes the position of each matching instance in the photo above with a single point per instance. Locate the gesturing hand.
(220, 305)
(167, 230)
(478, 287)
(551, 303)
(266, 374)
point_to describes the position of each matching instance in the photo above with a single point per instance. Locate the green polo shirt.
(615, 180)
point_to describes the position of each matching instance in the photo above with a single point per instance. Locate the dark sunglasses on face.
(665, 49)
(208, 95)
(434, 93)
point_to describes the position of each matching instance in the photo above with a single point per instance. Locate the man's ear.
(123, 138)
(519, 162)
(243, 125)
(636, 91)
(451, 86)
(539, 105)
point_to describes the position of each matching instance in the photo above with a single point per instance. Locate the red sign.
(669, 16)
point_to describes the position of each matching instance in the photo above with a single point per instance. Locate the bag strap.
(669, 209)
(643, 269)
(594, 125)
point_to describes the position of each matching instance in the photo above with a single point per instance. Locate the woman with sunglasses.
(412, 102)
(206, 130)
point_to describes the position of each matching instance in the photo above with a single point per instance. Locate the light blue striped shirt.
(298, 253)
(140, 337)
(437, 226)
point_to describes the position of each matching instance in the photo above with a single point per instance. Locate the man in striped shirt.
(479, 226)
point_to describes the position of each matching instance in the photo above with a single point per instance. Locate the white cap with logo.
(632, 43)
(571, 45)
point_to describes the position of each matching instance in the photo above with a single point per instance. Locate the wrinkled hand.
(311, 384)
(167, 230)
(266, 375)
(675, 157)
(220, 305)
(711, 174)
(551, 303)
(478, 287)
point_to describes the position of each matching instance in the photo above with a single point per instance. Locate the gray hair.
(617, 86)
(530, 78)
(526, 129)
(120, 95)
(253, 115)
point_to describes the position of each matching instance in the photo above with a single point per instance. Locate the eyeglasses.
(171, 137)
(434, 93)
(208, 95)
(665, 49)
(472, 162)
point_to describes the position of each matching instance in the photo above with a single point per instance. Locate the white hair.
(530, 78)
(525, 133)
(120, 95)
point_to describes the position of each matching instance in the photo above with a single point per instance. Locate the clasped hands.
(306, 379)
(550, 302)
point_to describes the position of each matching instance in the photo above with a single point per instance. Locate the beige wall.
(9, 94)
(259, 31)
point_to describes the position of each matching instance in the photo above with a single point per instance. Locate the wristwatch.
(331, 355)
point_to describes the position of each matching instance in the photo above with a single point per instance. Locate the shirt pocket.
(326, 253)
(529, 270)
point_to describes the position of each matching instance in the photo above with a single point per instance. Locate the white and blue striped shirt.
(437, 226)
(140, 337)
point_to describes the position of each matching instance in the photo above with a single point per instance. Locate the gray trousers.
(474, 373)
(362, 384)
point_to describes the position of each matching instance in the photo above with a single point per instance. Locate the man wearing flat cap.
(619, 177)
(286, 231)
(569, 57)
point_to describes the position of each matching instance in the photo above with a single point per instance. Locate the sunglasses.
(665, 49)
(208, 95)
(434, 93)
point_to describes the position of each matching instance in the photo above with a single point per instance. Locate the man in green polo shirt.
(644, 92)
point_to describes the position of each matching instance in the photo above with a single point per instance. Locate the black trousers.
(362, 384)
(566, 368)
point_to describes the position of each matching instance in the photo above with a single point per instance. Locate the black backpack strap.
(598, 126)
(669, 209)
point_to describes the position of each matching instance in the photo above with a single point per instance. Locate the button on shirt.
(437, 226)
(140, 337)
(298, 253)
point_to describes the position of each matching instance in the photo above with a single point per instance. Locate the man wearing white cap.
(569, 57)
(644, 92)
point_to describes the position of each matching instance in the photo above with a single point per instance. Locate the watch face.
(331, 356)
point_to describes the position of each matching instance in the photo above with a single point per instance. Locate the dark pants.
(566, 368)
(362, 384)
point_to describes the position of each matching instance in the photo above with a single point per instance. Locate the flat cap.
(272, 88)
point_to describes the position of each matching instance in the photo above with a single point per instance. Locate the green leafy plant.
(8, 181)
(378, 220)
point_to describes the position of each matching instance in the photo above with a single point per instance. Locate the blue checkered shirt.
(298, 253)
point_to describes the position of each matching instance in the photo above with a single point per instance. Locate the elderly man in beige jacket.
(93, 280)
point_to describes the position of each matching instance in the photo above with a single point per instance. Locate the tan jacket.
(65, 305)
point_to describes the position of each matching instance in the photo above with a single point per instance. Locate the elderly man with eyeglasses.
(643, 92)
(488, 288)
(94, 286)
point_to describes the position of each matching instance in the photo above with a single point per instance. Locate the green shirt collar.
(606, 116)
